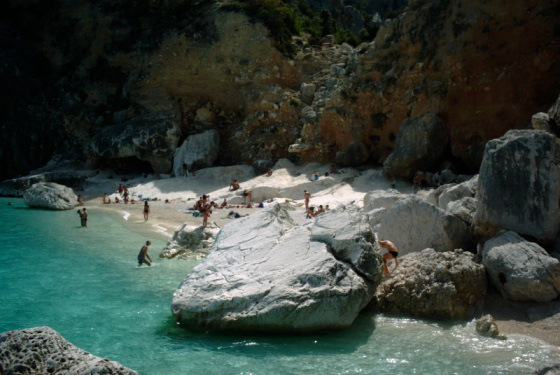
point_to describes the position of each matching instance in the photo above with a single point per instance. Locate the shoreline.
(511, 317)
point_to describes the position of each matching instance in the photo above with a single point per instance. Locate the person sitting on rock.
(234, 185)
(320, 210)
(310, 212)
(269, 172)
(392, 253)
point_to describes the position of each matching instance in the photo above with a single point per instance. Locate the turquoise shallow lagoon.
(85, 284)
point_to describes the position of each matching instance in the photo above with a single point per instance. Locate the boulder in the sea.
(553, 369)
(152, 138)
(419, 145)
(198, 151)
(50, 195)
(486, 326)
(42, 350)
(413, 225)
(521, 270)
(430, 284)
(265, 273)
(190, 242)
(519, 186)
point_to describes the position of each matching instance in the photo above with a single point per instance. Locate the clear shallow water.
(85, 284)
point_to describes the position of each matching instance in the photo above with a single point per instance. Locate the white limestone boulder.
(377, 202)
(42, 350)
(457, 192)
(51, 196)
(519, 186)
(464, 209)
(521, 270)
(430, 284)
(200, 150)
(413, 225)
(190, 242)
(265, 273)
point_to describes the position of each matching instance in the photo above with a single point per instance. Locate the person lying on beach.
(144, 254)
(224, 203)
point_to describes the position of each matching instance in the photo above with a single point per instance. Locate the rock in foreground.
(265, 273)
(429, 284)
(521, 270)
(51, 196)
(42, 350)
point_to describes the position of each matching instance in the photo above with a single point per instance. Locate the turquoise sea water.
(85, 284)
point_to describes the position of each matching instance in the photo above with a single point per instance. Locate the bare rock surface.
(199, 150)
(521, 270)
(413, 225)
(519, 186)
(50, 195)
(266, 273)
(430, 284)
(190, 242)
(486, 326)
(42, 350)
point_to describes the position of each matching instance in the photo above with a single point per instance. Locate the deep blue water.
(85, 284)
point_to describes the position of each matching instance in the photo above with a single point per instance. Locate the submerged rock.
(42, 350)
(50, 195)
(429, 284)
(266, 273)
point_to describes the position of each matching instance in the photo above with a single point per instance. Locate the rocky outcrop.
(265, 273)
(190, 242)
(419, 146)
(553, 369)
(431, 284)
(152, 138)
(486, 326)
(198, 151)
(414, 225)
(519, 186)
(521, 270)
(456, 192)
(42, 350)
(51, 196)
(356, 153)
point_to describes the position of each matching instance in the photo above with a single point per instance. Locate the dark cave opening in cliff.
(125, 166)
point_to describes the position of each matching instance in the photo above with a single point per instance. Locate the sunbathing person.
(234, 185)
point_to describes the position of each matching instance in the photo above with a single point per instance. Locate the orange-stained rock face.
(483, 67)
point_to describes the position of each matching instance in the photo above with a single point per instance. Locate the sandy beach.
(288, 182)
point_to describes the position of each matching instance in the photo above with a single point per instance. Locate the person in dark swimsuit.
(144, 254)
(83, 217)
(392, 253)
(146, 210)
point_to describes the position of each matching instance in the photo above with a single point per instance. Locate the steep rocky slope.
(482, 68)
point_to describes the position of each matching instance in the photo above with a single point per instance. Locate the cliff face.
(482, 67)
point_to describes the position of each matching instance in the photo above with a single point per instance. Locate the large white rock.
(42, 350)
(265, 273)
(521, 270)
(413, 225)
(430, 284)
(519, 186)
(457, 192)
(50, 195)
(199, 149)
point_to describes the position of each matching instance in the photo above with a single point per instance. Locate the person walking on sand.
(392, 253)
(207, 210)
(80, 202)
(144, 254)
(146, 211)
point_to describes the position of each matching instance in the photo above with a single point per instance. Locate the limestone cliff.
(481, 67)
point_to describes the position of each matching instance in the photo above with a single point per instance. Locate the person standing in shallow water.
(392, 253)
(83, 217)
(146, 210)
(144, 254)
